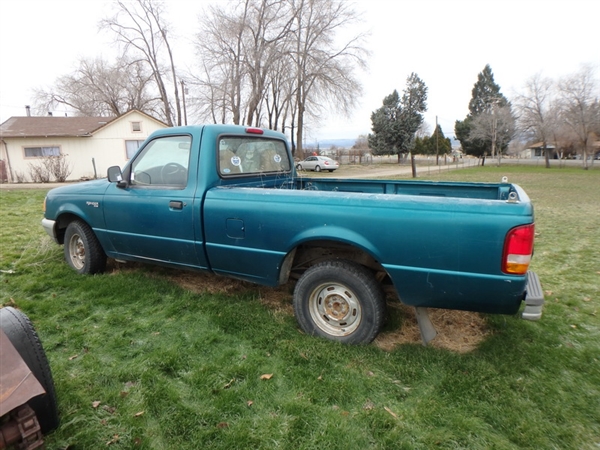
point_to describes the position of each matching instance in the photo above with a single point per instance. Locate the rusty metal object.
(22, 430)
(17, 386)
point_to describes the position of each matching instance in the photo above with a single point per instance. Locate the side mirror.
(115, 175)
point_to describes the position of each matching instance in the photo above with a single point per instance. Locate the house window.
(40, 152)
(132, 147)
(136, 127)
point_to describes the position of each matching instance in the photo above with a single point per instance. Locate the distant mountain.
(328, 143)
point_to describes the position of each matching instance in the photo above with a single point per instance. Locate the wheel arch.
(62, 222)
(311, 251)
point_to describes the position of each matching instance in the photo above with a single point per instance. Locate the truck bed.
(441, 243)
(484, 191)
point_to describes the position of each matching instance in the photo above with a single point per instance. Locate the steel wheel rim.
(335, 309)
(77, 251)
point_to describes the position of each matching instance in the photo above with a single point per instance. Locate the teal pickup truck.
(226, 199)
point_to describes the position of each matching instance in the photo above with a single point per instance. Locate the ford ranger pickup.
(226, 199)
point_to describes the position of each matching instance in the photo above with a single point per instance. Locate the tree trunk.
(546, 157)
(413, 166)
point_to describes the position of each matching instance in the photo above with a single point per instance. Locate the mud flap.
(426, 328)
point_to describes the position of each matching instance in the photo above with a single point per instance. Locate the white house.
(89, 145)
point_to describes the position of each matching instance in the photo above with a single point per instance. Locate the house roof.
(552, 145)
(549, 145)
(54, 126)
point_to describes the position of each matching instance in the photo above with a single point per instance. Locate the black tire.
(19, 330)
(83, 251)
(317, 168)
(299, 167)
(341, 301)
(331, 170)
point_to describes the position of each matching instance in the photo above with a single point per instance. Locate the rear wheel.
(19, 330)
(341, 301)
(83, 251)
(317, 168)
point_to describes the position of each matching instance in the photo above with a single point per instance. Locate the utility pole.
(437, 152)
(183, 89)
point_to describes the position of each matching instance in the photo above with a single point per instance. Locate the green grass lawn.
(142, 361)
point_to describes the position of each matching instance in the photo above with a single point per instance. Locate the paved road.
(391, 170)
(10, 186)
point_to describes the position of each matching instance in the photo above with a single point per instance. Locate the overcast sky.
(446, 42)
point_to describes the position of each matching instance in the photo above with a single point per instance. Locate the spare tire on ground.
(19, 330)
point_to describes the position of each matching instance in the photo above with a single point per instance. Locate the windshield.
(252, 155)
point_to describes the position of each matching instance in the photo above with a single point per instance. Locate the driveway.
(14, 186)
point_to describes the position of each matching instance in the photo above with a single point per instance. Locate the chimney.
(28, 110)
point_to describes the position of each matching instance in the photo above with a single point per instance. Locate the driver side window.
(163, 162)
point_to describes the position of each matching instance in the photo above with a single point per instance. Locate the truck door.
(153, 218)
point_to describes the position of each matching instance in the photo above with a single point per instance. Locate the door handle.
(175, 204)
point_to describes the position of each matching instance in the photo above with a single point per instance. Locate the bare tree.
(580, 107)
(279, 97)
(496, 125)
(267, 28)
(274, 62)
(536, 112)
(139, 24)
(424, 130)
(325, 71)
(361, 147)
(220, 45)
(98, 88)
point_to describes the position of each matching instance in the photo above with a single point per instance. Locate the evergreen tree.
(394, 124)
(427, 144)
(385, 121)
(485, 96)
(422, 145)
(438, 143)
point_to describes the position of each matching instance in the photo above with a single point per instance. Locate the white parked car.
(318, 163)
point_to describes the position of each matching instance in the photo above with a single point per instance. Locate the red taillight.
(518, 249)
(254, 131)
(326, 163)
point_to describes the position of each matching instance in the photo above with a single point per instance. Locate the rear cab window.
(252, 155)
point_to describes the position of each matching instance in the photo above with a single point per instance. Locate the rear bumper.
(534, 299)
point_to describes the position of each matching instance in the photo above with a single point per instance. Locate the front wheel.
(299, 167)
(317, 168)
(83, 251)
(341, 301)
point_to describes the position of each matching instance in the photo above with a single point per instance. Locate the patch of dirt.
(278, 299)
(458, 331)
